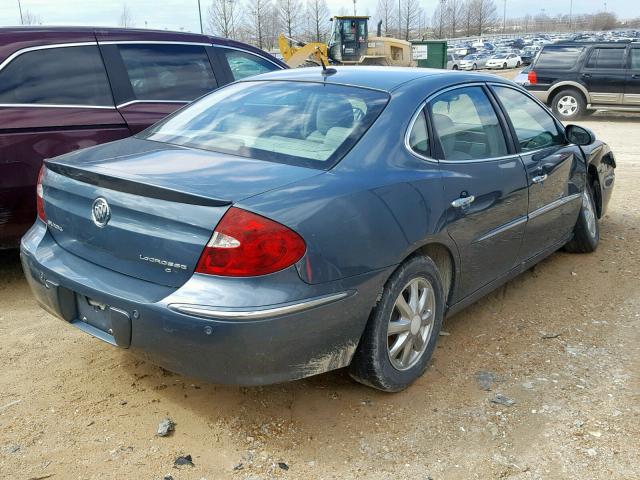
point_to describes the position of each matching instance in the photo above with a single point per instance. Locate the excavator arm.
(298, 53)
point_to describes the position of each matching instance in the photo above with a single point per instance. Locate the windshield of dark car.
(299, 123)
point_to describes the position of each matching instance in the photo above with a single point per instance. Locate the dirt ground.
(561, 340)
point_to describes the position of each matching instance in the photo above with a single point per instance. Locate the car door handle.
(586, 75)
(463, 201)
(539, 178)
(635, 75)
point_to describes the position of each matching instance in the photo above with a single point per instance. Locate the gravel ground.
(561, 341)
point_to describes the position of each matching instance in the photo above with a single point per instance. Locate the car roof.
(382, 78)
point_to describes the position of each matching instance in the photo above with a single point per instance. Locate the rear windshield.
(306, 124)
(558, 57)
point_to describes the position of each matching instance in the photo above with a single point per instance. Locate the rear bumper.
(219, 337)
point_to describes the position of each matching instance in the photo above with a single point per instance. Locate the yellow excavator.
(349, 44)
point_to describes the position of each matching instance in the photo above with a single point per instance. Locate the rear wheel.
(586, 233)
(504, 66)
(455, 67)
(518, 64)
(568, 104)
(402, 331)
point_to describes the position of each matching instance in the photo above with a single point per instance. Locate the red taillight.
(532, 76)
(245, 245)
(39, 196)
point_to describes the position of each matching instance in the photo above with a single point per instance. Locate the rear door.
(604, 74)
(153, 79)
(632, 86)
(555, 173)
(53, 99)
(484, 181)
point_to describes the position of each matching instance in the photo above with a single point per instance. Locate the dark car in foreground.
(308, 220)
(66, 88)
(578, 78)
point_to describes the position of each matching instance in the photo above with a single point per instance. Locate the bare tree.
(318, 18)
(439, 19)
(468, 17)
(485, 15)
(455, 14)
(289, 13)
(259, 13)
(411, 12)
(126, 19)
(223, 17)
(29, 18)
(386, 11)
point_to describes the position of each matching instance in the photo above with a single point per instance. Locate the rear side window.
(56, 76)
(467, 125)
(243, 64)
(558, 57)
(168, 72)
(299, 123)
(534, 127)
(608, 58)
(419, 136)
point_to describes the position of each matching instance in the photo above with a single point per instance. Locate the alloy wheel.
(567, 105)
(589, 212)
(411, 323)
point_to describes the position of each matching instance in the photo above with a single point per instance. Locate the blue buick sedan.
(308, 220)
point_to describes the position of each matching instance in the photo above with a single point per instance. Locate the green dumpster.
(429, 53)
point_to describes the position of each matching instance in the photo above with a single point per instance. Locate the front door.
(555, 172)
(632, 85)
(484, 184)
(604, 74)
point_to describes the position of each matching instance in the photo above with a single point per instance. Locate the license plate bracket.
(113, 323)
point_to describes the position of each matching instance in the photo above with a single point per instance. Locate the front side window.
(243, 64)
(167, 72)
(608, 58)
(306, 124)
(635, 58)
(534, 127)
(56, 76)
(467, 125)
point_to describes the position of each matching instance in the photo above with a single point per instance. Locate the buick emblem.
(100, 212)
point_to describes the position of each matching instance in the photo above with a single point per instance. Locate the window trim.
(499, 114)
(407, 135)
(35, 48)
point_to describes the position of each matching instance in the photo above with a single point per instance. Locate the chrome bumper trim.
(253, 314)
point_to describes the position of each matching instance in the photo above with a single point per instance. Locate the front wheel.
(586, 233)
(455, 67)
(504, 66)
(402, 331)
(518, 64)
(475, 67)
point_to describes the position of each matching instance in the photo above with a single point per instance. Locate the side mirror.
(579, 135)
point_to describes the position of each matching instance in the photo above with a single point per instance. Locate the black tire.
(504, 66)
(455, 67)
(371, 364)
(518, 64)
(577, 97)
(585, 240)
(475, 67)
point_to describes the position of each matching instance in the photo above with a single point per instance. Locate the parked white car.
(474, 61)
(500, 60)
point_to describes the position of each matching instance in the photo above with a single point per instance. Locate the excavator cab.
(349, 35)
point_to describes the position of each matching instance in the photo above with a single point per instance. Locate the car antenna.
(327, 71)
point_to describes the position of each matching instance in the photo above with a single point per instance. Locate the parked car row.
(62, 89)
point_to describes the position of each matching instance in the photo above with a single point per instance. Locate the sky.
(183, 14)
